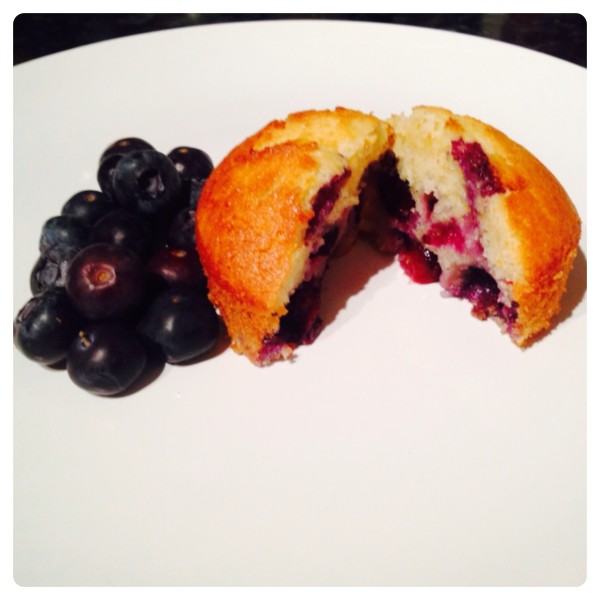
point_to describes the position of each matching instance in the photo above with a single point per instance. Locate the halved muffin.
(482, 215)
(272, 214)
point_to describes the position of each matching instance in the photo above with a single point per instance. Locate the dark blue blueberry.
(87, 206)
(106, 172)
(62, 229)
(105, 280)
(147, 182)
(191, 163)
(50, 269)
(111, 156)
(182, 323)
(106, 358)
(45, 327)
(124, 228)
(194, 166)
(174, 267)
(125, 145)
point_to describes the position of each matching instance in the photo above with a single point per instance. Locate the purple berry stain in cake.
(324, 202)
(481, 181)
(417, 256)
(445, 233)
(302, 324)
(480, 176)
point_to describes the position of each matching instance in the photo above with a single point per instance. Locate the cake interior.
(437, 234)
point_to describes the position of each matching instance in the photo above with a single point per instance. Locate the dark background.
(557, 34)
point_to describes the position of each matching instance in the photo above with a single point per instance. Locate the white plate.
(410, 445)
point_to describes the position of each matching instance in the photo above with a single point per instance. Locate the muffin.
(457, 200)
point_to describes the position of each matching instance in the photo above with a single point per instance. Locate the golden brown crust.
(547, 224)
(251, 222)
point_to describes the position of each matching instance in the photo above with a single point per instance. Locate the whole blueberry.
(124, 228)
(124, 145)
(87, 206)
(175, 267)
(45, 327)
(194, 166)
(146, 182)
(62, 229)
(191, 163)
(105, 280)
(111, 156)
(50, 270)
(182, 323)
(106, 358)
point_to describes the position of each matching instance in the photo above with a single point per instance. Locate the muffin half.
(483, 216)
(271, 216)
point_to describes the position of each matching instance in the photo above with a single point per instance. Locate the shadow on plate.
(348, 275)
(156, 364)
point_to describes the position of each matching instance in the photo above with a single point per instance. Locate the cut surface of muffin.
(482, 216)
(270, 217)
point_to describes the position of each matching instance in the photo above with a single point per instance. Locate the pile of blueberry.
(118, 284)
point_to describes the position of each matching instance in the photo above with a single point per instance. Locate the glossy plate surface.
(410, 445)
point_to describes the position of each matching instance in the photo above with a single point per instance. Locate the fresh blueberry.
(45, 327)
(87, 206)
(125, 145)
(111, 156)
(147, 183)
(191, 163)
(106, 172)
(62, 229)
(50, 269)
(106, 358)
(194, 166)
(124, 228)
(172, 267)
(105, 280)
(182, 323)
